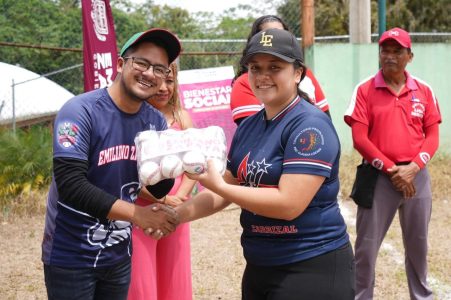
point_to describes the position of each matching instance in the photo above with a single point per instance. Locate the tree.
(419, 15)
(58, 23)
(331, 16)
(42, 22)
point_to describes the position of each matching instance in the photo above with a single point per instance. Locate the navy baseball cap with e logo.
(280, 43)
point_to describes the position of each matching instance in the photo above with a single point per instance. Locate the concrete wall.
(339, 67)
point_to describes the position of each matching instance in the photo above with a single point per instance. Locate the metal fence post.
(382, 17)
(14, 106)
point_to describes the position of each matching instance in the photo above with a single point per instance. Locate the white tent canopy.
(34, 95)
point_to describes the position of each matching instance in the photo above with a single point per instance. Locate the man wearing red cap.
(394, 119)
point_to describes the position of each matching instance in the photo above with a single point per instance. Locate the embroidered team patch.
(418, 110)
(425, 157)
(377, 163)
(67, 134)
(308, 142)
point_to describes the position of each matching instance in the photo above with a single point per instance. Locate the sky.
(203, 5)
(218, 6)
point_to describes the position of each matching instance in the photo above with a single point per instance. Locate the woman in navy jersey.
(282, 170)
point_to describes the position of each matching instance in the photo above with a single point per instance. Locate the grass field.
(217, 260)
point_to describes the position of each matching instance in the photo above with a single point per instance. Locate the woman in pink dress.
(161, 269)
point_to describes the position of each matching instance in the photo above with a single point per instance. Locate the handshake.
(157, 220)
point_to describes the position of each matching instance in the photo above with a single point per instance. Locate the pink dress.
(161, 270)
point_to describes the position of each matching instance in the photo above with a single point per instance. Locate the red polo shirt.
(396, 123)
(243, 103)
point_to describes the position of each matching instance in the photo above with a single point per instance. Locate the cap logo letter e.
(266, 40)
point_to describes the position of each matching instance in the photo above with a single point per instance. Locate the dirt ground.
(217, 260)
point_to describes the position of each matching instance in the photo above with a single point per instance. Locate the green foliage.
(42, 22)
(229, 26)
(126, 24)
(419, 15)
(25, 160)
(58, 23)
(173, 18)
(332, 16)
(232, 28)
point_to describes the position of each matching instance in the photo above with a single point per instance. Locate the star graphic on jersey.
(252, 184)
(262, 166)
(250, 168)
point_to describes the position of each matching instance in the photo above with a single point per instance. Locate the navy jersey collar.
(288, 108)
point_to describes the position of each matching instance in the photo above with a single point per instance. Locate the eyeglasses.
(142, 65)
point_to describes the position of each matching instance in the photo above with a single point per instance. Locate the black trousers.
(328, 276)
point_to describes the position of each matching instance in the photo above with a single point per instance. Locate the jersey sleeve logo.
(67, 134)
(308, 142)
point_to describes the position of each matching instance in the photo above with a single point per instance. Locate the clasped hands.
(160, 219)
(402, 177)
(157, 220)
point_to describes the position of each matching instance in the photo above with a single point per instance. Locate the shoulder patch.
(308, 142)
(67, 134)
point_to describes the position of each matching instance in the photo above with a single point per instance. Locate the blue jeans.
(88, 283)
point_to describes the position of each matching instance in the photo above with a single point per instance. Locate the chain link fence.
(197, 54)
(221, 52)
(27, 98)
(66, 67)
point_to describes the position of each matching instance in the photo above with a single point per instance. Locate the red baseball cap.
(399, 35)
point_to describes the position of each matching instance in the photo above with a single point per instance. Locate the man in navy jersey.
(86, 247)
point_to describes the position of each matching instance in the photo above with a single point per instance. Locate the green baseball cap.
(170, 42)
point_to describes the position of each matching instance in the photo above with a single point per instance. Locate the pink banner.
(205, 94)
(99, 44)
